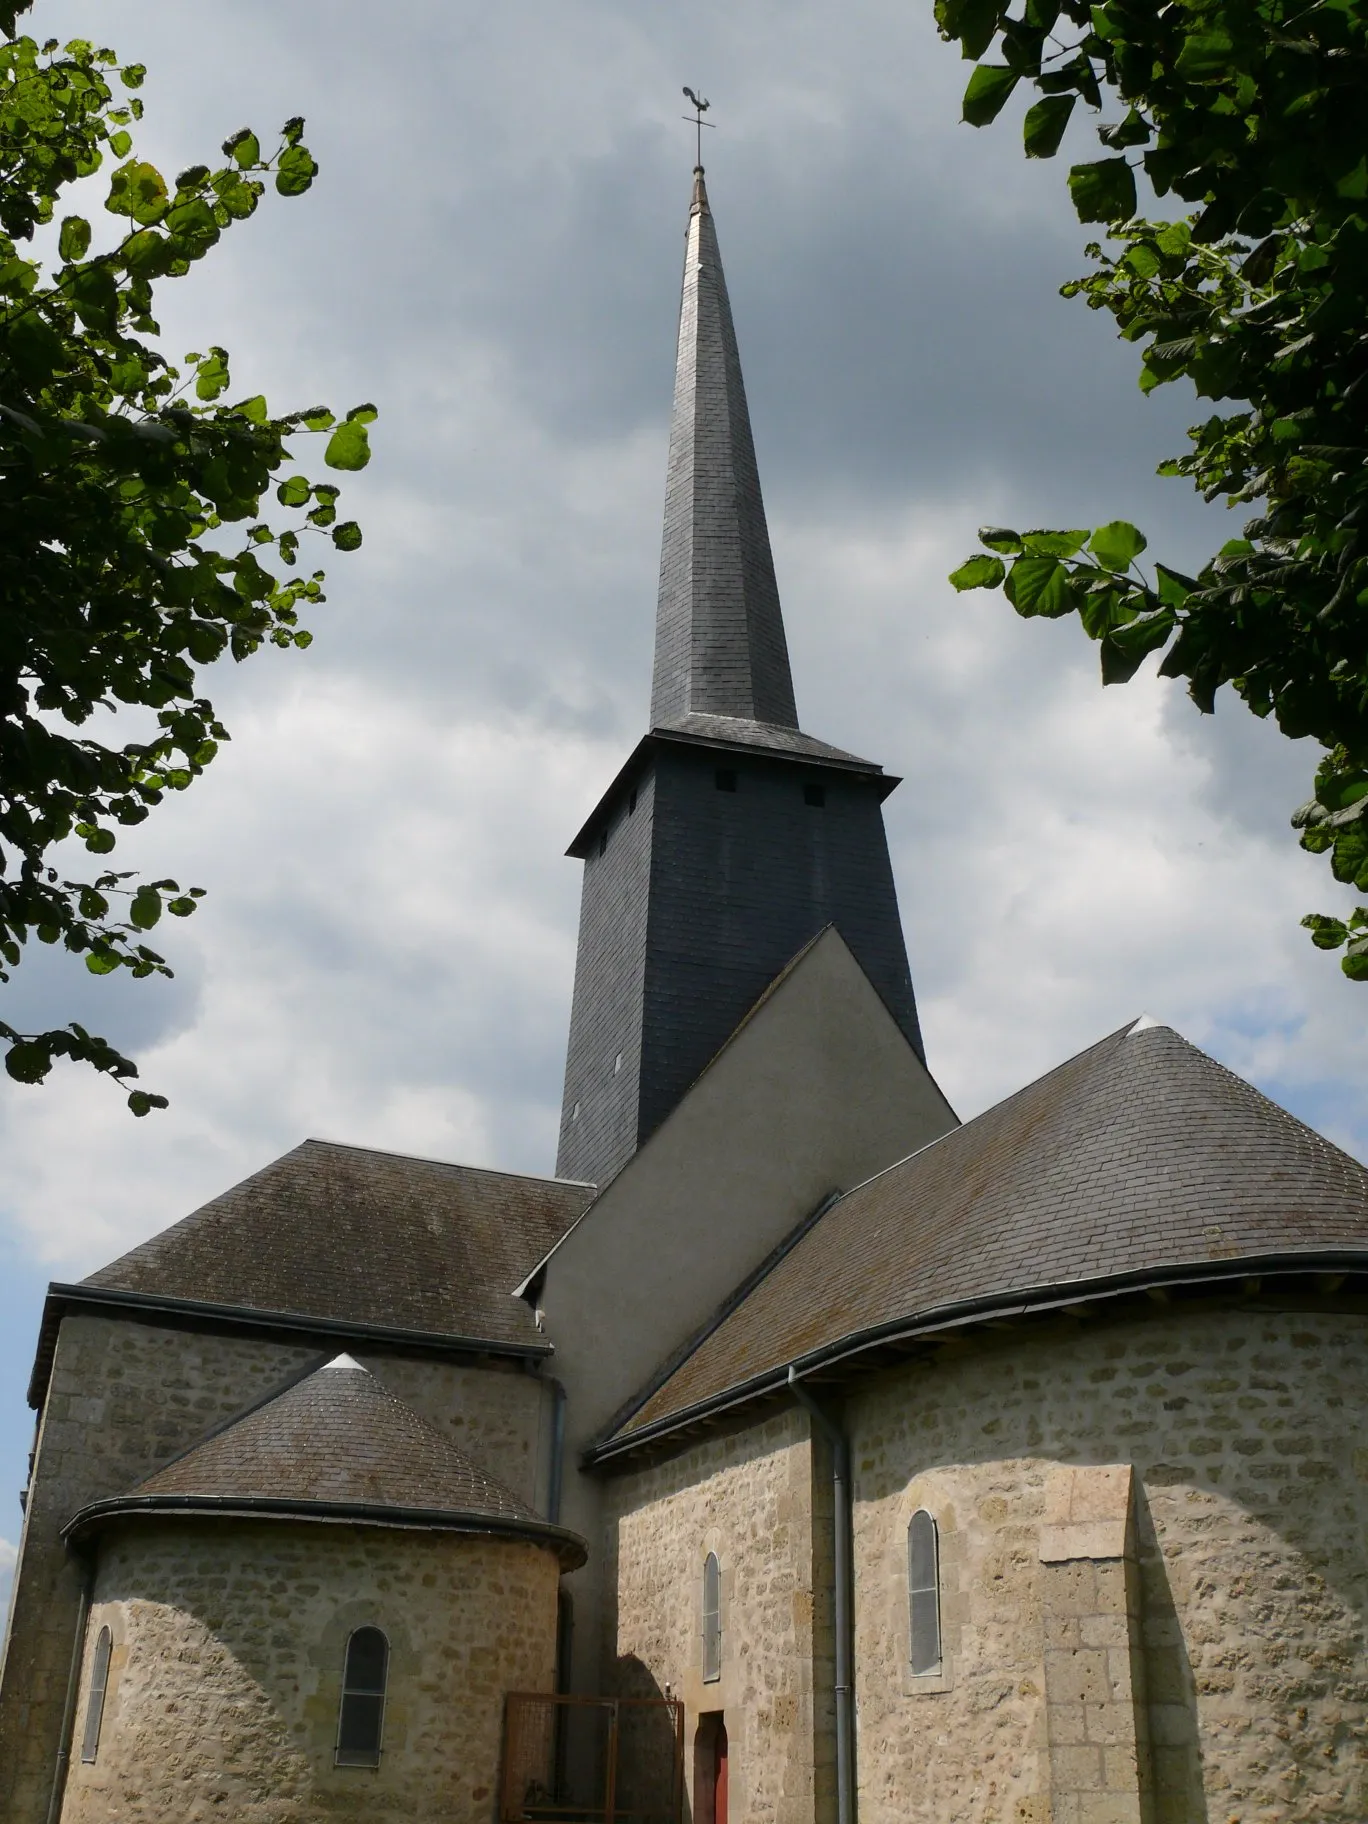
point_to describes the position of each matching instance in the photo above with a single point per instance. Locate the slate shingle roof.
(720, 644)
(770, 736)
(1138, 1156)
(335, 1445)
(366, 1238)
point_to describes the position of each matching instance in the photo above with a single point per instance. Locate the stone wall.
(225, 1678)
(125, 1397)
(1245, 1428)
(751, 1497)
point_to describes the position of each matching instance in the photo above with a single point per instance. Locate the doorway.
(710, 1769)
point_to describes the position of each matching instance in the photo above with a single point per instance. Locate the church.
(797, 1454)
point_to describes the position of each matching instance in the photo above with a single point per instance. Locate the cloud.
(492, 254)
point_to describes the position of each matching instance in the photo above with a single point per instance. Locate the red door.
(710, 1769)
(720, 1776)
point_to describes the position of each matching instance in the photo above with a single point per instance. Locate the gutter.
(961, 1313)
(63, 1298)
(570, 1546)
(843, 1577)
(63, 1761)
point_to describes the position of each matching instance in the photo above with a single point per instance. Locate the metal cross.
(700, 107)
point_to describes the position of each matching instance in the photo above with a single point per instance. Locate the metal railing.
(591, 1760)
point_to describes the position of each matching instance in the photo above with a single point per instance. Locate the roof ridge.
(452, 1165)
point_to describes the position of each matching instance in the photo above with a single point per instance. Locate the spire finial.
(700, 108)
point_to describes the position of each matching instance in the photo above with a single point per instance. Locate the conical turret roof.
(337, 1444)
(720, 646)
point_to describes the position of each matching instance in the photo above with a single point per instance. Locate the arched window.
(99, 1684)
(712, 1619)
(361, 1718)
(923, 1592)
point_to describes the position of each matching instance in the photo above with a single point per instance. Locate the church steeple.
(720, 647)
(729, 839)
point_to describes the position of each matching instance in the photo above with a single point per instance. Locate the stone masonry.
(1245, 1428)
(124, 1398)
(752, 1498)
(225, 1681)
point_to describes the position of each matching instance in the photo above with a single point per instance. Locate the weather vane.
(700, 107)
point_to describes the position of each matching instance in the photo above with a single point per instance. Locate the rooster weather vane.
(696, 120)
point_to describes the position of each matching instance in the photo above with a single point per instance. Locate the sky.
(491, 253)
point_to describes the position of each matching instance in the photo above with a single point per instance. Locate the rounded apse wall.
(225, 1680)
(1246, 1429)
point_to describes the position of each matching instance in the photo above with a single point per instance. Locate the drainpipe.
(844, 1576)
(556, 1471)
(59, 1772)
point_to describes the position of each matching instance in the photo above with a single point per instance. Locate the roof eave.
(62, 1298)
(961, 1313)
(669, 737)
(569, 1547)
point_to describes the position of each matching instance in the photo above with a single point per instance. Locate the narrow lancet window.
(99, 1684)
(712, 1619)
(361, 1717)
(923, 1592)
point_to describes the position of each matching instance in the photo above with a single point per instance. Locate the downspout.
(556, 1469)
(59, 1772)
(844, 1578)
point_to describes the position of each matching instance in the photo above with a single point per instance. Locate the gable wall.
(759, 1500)
(125, 1397)
(1247, 1434)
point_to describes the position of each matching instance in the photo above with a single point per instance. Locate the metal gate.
(591, 1758)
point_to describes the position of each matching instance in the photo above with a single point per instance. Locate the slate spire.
(730, 838)
(720, 647)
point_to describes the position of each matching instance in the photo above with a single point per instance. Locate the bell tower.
(730, 838)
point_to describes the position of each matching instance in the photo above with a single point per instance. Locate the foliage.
(134, 540)
(1253, 112)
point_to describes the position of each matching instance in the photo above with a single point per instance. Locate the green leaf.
(1044, 125)
(1125, 648)
(1326, 933)
(979, 572)
(1174, 588)
(146, 908)
(347, 536)
(294, 491)
(138, 190)
(363, 414)
(348, 447)
(102, 962)
(28, 1062)
(1000, 538)
(1039, 586)
(121, 143)
(1205, 56)
(212, 374)
(1054, 544)
(146, 254)
(73, 243)
(1104, 191)
(243, 147)
(1117, 544)
(132, 75)
(988, 89)
(142, 1101)
(296, 171)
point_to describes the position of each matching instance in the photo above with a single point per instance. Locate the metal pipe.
(843, 1571)
(59, 1772)
(556, 1471)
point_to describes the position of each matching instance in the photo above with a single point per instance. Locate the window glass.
(923, 1586)
(712, 1618)
(99, 1684)
(362, 1715)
